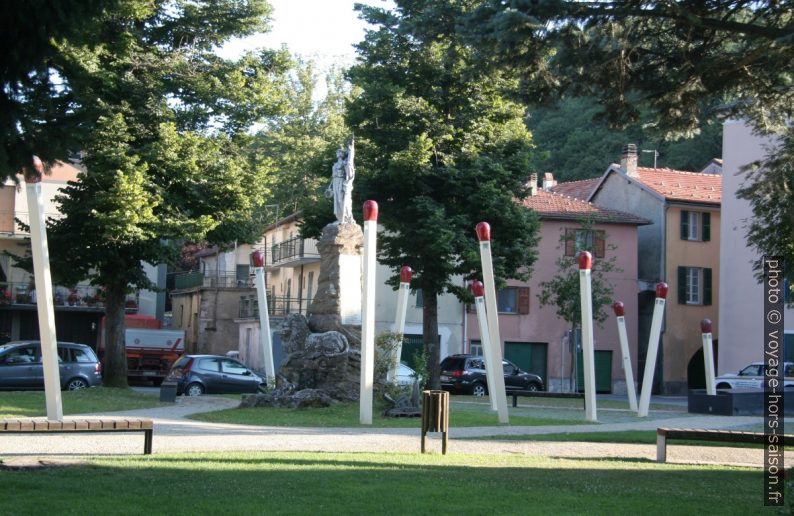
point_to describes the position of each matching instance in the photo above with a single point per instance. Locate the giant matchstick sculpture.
(495, 357)
(588, 353)
(625, 355)
(43, 281)
(265, 341)
(653, 349)
(708, 357)
(399, 318)
(368, 313)
(479, 303)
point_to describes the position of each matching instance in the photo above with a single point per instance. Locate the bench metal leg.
(515, 401)
(661, 448)
(147, 442)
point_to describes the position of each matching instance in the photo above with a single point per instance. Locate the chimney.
(533, 185)
(628, 160)
(548, 181)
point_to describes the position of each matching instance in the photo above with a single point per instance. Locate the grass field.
(96, 399)
(347, 415)
(364, 483)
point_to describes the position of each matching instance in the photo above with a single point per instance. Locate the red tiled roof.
(678, 185)
(580, 189)
(550, 205)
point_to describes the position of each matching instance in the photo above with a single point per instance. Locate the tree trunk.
(430, 338)
(114, 369)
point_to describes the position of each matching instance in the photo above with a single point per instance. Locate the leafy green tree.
(440, 150)
(666, 57)
(165, 121)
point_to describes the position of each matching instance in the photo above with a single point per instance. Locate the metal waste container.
(168, 391)
(435, 416)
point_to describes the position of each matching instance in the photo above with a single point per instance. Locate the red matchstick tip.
(405, 274)
(617, 306)
(477, 288)
(585, 260)
(258, 258)
(661, 290)
(370, 210)
(34, 176)
(705, 326)
(483, 230)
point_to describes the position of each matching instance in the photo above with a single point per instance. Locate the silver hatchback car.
(21, 369)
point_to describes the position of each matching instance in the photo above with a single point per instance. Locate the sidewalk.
(174, 433)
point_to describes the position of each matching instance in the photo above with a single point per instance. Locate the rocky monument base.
(323, 361)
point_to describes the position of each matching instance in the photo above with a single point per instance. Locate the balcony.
(294, 252)
(277, 307)
(9, 226)
(22, 295)
(196, 279)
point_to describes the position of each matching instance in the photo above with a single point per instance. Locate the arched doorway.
(696, 369)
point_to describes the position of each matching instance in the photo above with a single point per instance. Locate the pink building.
(534, 337)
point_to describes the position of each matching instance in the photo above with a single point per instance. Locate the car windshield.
(752, 370)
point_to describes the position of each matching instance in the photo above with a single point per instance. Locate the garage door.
(529, 356)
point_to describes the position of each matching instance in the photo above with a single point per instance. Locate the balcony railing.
(277, 306)
(294, 249)
(197, 279)
(16, 293)
(8, 222)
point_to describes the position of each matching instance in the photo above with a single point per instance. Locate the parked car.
(465, 374)
(21, 366)
(405, 375)
(752, 377)
(213, 374)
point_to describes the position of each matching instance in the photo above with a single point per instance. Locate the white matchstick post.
(708, 357)
(588, 353)
(653, 349)
(485, 340)
(495, 357)
(368, 313)
(625, 354)
(265, 340)
(399, 319)
(43, 283)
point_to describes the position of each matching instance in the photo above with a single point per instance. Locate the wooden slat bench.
(544, 394)
(38, 425)
(725, 436)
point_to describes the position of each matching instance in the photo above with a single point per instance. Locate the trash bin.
(168, 391)
(435, 416)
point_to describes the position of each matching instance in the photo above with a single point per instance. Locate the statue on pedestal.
(341, 188)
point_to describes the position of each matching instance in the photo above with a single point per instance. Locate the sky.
(323, 30)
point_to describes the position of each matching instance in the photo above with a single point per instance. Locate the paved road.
(174, 433)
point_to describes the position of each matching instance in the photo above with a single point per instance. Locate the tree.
(165, 133)
(440, 150)
(666, 57)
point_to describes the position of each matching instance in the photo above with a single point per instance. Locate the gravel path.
(174, 433)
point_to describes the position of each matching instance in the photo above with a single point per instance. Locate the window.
(208, 364)
(694, 286)
(228, 366)
(695, 226)
(476, 363)
(577, 240)
(475, 348)
(23, 355)
(420, 300)
(81, 355)
(513, 300)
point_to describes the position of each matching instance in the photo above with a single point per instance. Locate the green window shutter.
(682, 285)
(706, 218)
(684, 225)
(706, 287)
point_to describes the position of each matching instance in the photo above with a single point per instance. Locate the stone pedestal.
(337, 302)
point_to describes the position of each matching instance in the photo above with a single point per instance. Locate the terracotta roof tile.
(580, 189)
(550, 205)
(678, 185)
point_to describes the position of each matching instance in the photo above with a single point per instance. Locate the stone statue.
(341, 188)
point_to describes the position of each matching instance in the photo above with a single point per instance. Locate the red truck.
(150, 350)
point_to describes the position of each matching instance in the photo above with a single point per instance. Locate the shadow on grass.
(380, 483)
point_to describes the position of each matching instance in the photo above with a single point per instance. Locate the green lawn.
(347, 415)
(96, 399)
(369, 483)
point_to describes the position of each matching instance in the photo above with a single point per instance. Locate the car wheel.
(724, 386)
(76, 384)
(479, 389)
(194, 389)
(532, 387)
